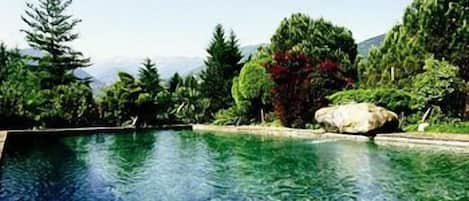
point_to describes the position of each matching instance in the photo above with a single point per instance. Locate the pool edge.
(456, 141)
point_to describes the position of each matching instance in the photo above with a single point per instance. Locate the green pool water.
(185, 165)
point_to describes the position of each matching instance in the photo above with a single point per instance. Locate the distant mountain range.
(365, 46)
(106, 71)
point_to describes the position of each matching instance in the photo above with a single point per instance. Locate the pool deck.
(450, 141)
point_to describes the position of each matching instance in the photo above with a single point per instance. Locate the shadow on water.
(49, 168)
(184, 165)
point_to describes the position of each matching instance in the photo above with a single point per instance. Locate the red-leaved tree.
(301, 85)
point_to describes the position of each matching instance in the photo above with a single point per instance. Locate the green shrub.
(252, 89)
(440, 85)
(69, 105)
(232, 116)
(393, 99)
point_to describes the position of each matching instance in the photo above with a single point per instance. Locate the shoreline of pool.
(411, 139)
(448, 141)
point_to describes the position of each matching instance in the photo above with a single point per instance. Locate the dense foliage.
(69, 105)
(440, 85)
(395, 100)
(20, 95)
(316, 38)
(426, 55)
(138, 102)
(190, 106)
(436, 28)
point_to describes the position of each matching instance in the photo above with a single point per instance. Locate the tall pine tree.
(51, 30)
(150, 78)
(222, 65)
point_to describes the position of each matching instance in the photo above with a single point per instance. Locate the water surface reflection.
(170, 165)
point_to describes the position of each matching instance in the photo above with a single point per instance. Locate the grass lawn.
(460, 128)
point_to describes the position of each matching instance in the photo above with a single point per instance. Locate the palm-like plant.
(190, 105)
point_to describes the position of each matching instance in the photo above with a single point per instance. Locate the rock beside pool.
(357, 118)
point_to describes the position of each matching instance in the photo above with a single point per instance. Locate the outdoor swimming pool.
(186, 165)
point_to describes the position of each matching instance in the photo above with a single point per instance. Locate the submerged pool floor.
(184, 165)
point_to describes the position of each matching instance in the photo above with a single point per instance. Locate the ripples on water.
(170, 165)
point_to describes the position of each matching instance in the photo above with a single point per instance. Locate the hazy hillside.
(96, 84)
(107, 70)
(365, 46)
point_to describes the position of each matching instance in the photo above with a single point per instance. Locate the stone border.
(92, 130)
(278, 132)
(447, 141)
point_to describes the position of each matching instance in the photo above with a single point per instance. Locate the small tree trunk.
(392, 74)
(262, 116)
(427, 114)
(135, 121)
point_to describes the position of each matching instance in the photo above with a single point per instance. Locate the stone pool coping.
(446, 141)
(92, 130)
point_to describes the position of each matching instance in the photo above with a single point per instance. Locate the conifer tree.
(51, 30)
(222, 65)
(174, 82)
(430, 29)
(149, 77)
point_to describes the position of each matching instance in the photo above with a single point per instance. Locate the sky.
(141, 28)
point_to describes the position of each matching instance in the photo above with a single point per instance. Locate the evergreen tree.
(430, 29)
(51, 30)
(222, 65)
(150, 78)
(174, 82)
(233, 57)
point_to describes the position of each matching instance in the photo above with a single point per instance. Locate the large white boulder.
(357, 118)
